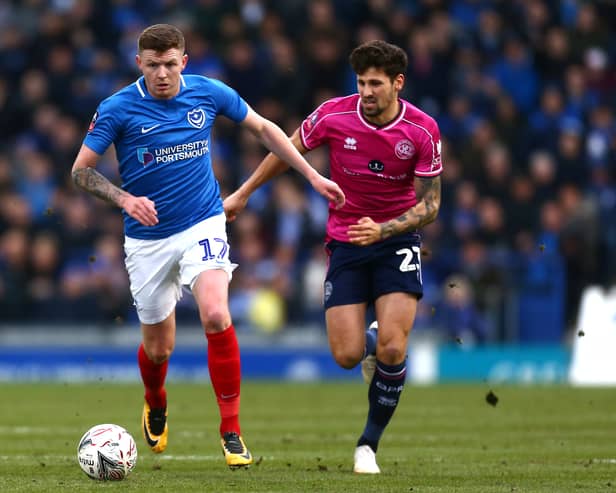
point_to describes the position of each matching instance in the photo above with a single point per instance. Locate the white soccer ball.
(107, 452)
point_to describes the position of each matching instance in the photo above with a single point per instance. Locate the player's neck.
(387, 116)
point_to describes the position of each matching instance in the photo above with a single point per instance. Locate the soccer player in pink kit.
(386, 156)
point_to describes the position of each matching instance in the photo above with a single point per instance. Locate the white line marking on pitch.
(37, 458)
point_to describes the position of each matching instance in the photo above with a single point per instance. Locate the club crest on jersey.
(376, 166)
(145, 157)
(196, 117)
(404, 149)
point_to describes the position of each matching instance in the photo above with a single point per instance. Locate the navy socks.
(383, 397)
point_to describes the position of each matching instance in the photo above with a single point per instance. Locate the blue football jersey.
(163, 149)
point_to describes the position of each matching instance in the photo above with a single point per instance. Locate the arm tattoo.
(428, 192)
(92, 181)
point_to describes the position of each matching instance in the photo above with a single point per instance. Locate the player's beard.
(373, 110)
(376, 110)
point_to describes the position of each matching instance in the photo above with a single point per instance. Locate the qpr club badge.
(196, 117)
(404, 149)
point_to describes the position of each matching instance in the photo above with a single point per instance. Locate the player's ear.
(184, 60)
(399, 82)
(138, 61)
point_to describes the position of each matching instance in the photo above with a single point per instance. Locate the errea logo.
(350, 143)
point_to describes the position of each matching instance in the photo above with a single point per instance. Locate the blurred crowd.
(524, 92)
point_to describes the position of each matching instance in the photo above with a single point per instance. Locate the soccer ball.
(107, 452)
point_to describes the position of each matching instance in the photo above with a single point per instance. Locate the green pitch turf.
(442, 438)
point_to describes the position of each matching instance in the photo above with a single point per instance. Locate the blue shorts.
(358, 274)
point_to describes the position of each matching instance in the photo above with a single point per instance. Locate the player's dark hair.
(161, 37)
(380, 55)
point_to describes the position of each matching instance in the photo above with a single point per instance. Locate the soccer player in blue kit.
(174, 223)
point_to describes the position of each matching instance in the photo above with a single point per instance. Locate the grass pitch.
(442, 439)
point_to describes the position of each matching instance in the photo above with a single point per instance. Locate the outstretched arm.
(270, 167)
(428, 191)
(285, 153)
(87, 178)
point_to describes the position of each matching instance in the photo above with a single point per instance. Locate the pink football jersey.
(374, 166)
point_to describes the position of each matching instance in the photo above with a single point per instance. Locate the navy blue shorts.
(358, 274)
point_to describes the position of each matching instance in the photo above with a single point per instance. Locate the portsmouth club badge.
(196, 117)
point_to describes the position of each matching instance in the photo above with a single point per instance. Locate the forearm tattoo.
(92, 181)
(428, 192)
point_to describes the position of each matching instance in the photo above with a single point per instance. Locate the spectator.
(521, 209)
(497, 170)
(457, 315)
(542, 169)
(579, 98)
(515, 73)
(428, 74)
(554, 53)
(540, 280)
(578, 240)
(600, 137)
(465, 217)
(546, 120)
(570, 152)
(43, 273)
(510, 127)
(14, 251)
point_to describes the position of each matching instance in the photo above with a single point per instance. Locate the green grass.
(442, 438)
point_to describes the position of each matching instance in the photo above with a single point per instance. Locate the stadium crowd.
(524, 92)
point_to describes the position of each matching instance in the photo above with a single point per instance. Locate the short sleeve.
(229, 103)
(313, 130)
(429, 162)
(104, 127)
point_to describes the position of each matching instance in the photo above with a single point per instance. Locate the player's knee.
(159, 355)
(391, 354)
(215, 318)
(346, 359)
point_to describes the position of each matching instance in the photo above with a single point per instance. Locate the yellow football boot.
(155, 428)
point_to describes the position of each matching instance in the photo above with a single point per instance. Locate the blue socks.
(383, 397)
